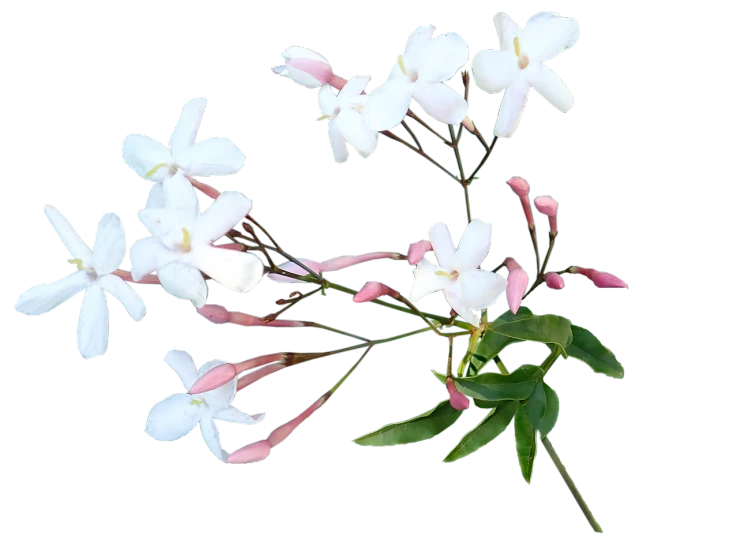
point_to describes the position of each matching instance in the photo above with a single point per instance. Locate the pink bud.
(548, 206)
(372, 291)
(284, 431)
(259, 361)
(215, 313)
(608, 281)
(255, 452)
(250, 378)
(458, 400)
(320, 71)
(253, 321)
(417, 250)
(467, 122)
(216, 377)
(292, 267)
(305, 67)
(521, 188)
(337, 82)
(518, 280)
(555, 281)
(334, 264)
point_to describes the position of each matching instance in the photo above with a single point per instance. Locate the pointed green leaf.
(589, 349)
(415, 429)
(550, 416)
(493, 386)
(550, 329)
(488, 404)
(489, 428)
(525, 442)
(493, 343)
(536, 405)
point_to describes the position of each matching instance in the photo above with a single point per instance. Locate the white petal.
(551, 87)
(212, 438)
(184, 281)
(453, 297)
(156, 197)
(280, 70)
(220, 217)
(142, 154)
(161, 222)
(511, 108)
(441, 102)
(507, 30)
(239, 271)
(417, 43)
(353, 127)
(220, 398)
(473, 246)
(480, 288)
(442, 58)
(441, 240)
(494, 69)
(214, 156)
(125, 294)
(301, 77)
(299, 52)
(428, 280)
(389, 103)
(354, 87)
(327, 100)
(42, 298)
(547, 34)
(180, 194)
(187, 127)
(110, 245)
(338, 146)
(173, 418)
(92, 328)
(69, 236)
(235, 415)
(148, 255)
(183, 365)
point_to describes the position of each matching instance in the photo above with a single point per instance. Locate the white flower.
(518, 66)
(155, 162)
(95, 274)
(419, 74)
(465, 287)
(182, 247)
(176, 416)
(345, 113)
(305, 67)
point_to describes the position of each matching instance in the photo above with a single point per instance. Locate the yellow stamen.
(154, 169)
(76, 262)
(517, 46)
(323, 117)
(453, 275)
(402, 66)
(523, 60)
(195, 402)
(185, 239)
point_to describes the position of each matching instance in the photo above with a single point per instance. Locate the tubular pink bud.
(337, 82)
(216, 377)
(372, 291)
(215, 313)
(521, 188)
(205, 189)
(334, 264)
(467, 122)
(517, 283)
(604, 280)
(317, 69)
(258, 361)
(255, 452)
(295, 269)
(284, 431)
(458, 400)
(555, 281)
(417, 250)
(548, 206)
(256, 375)
(253, 321)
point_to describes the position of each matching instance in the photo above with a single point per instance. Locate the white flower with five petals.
(345, 113)
(465, 286)
(94, 275)
(518, 66)
(177, 415)
(420, 74)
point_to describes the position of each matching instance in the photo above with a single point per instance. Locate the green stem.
(484, 159)
(348, 373)
(571, 485)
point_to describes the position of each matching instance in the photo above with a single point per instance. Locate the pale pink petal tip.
(417, 250)
(216, 377)
(519, 186)
(215, 313)
(555, 281)
(317, 69)
(458, 400)
(255, 452)
(608, 281)
(546, 205)
(372, 291)
(469, 125)
(518, 280)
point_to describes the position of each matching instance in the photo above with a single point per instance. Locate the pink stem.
(334, 264)
(256, 375)
(205, 189)
(258, 361)
(146, 280)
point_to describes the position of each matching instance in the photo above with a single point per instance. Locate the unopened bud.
(518, 280)
(555, 281)
(255, 452)
(295, 269)
(216, 377)
(417, 250)
(305, 67)
(548, 206)
(372, 291)
(520, 186)
(215, 313)
(600, 279)
(458, 400)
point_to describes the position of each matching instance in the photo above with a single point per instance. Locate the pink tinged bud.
(417, 250)
(521, 188)
(320, 71)
(295, 269)
(372, 291)
(555, 281)
(548, 206)
(205, 189)
(255, 452)
(334, 264)
(258, 361)
(458, 400)
(604, 280)
(284, 431)
(467, 122)
(517, 283)
(215, 313)
(253, 321)
(216, 377)
(337, 82)
(256, 375)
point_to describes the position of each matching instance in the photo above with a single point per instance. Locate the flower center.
(186, 245)
(196, 402)
(453, 275)
(81, 267)
(172, 169)
(413, 75)
(523, 59)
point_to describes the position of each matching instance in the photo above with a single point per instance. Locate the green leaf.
(488, 404)
(525, 442)
(550, 416)
(550, 329)
(415, 429)
(489, 428)
(589, 349)
(493, 343)
(536, 405)
(492, 386)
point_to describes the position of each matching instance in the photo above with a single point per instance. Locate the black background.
(615, 163)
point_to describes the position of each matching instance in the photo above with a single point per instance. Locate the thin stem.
(412, 134)
(532, 232)
(290, 303)
(348, 373)
(255, 222)
(449, 357)
(501, 366)
(484, 159)
(552, 238)
(455, 146)
(467, 202)
(420, 153)
(571, 485)
(333, 330)
(422, 122)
